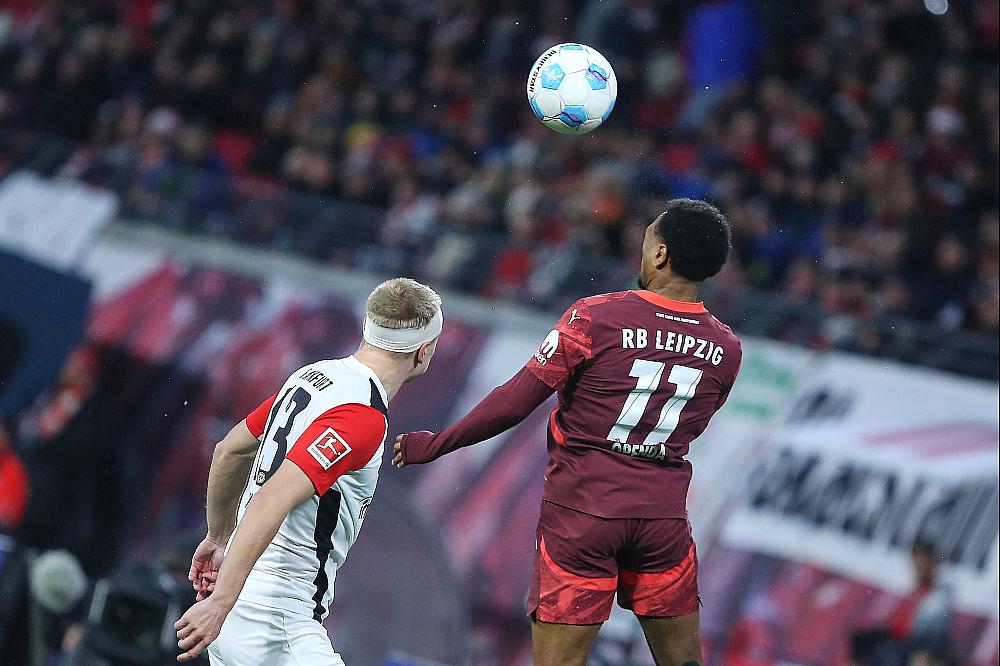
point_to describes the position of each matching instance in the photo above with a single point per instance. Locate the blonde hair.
(402, 303)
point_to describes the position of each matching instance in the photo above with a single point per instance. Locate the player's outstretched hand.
(410, 448)
(397, 452)
(199, 626)
(205, 566)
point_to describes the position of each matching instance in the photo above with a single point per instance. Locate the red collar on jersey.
(669, 303)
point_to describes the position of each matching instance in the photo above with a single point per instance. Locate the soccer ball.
(572, 88)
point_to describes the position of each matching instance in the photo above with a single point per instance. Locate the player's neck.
(674, 288)
(391, 372)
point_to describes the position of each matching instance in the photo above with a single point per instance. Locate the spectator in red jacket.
(13, 486)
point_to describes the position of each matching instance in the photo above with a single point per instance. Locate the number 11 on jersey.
(648, 374)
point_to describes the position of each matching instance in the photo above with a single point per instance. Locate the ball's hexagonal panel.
(575, 89)
(596, 58)
(573, 115)
(573, 60)
(548, 102)
(551, 76)
(597, 77)
(599, 105)
(537, 111)
(610, 108)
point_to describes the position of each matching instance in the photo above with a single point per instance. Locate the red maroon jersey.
(639, 376)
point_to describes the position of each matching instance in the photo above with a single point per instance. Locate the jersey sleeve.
(257, 419)
(504, 407)
(339, 441)
(565, 348)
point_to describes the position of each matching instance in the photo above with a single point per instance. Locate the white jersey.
(329, 418)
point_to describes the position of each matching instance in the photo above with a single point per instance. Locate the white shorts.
(255, 635)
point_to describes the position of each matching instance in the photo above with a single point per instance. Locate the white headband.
(403, 340)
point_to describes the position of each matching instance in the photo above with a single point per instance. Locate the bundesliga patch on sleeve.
(328, 448)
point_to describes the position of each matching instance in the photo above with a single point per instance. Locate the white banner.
(869, 457)
(52, 221)
(770, 372)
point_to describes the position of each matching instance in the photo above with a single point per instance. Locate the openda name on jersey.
(652, 451)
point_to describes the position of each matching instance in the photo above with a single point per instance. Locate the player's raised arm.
(563, 351)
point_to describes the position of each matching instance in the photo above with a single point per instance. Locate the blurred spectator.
(854, 146)
(917, 631)
(13, 486)
(67, 442)
(54, 409)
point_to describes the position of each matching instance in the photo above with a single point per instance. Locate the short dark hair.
(697, 236)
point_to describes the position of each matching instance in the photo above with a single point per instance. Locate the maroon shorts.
(582, 561)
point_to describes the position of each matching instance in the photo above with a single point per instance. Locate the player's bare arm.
(231, 463)
(287, 489)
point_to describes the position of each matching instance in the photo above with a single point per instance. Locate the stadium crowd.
(853, 144)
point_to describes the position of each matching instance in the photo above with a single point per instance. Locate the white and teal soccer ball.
(572, 88)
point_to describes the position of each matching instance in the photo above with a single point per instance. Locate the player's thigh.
(659, 570)
(575, 574)
(561, 644)
(674, 641)
(307, 643)
(252, 635)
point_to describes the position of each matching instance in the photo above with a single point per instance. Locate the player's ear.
(662, 257)
(423, 353)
